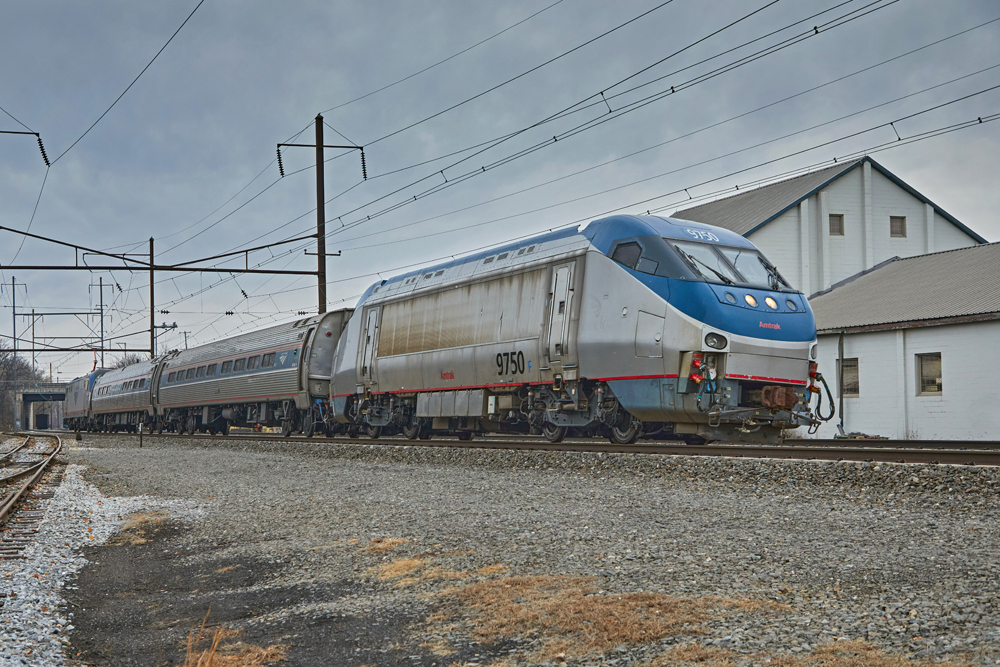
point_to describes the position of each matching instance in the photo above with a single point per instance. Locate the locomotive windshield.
(731, 265)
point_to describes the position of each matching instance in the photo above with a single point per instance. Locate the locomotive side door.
(561, 300)
(370, 347)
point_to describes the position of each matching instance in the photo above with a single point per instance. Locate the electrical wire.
(19, 122)
(441, 62)
(200, 2)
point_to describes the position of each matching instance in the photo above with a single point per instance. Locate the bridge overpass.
(25, 398)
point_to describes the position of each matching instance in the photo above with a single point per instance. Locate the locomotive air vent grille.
(502, 256)
(531, 248)
(488, 260)
(521, 251)
(439, 273)
(428, 276)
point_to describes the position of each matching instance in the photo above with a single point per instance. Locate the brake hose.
(819, 399)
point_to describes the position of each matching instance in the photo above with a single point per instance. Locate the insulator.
(281, 167)
(42, 148)
(245, 294)
(364, 169)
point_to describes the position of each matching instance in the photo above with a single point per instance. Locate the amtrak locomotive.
(631, 326)
(628, 327)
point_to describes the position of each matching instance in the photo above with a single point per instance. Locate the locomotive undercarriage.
(572, 408)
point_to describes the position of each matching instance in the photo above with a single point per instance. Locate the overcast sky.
(173, 157)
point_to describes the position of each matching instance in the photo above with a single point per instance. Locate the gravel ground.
(899, 556)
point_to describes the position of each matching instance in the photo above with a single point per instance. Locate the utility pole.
(185, 338)
(320, 217)
(33, 364)
(152, 305)
(321, 206)
(101, 284)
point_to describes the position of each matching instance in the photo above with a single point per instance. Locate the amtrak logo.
(281, 359)
(770, 325)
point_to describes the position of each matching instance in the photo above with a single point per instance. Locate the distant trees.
(128, 359)
(24, 377)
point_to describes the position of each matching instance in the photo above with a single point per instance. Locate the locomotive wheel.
(192, 425)
(465, 435)
(286, 427)
(411, 431)
(425, 432)
(553, 433)
(628, 435)
(309, 425)
(373, 432)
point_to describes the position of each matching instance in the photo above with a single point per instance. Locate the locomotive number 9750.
(510, 362)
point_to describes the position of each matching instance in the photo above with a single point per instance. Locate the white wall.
(889, 404)
(812, 260)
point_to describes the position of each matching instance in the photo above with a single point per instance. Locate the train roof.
(599, 234)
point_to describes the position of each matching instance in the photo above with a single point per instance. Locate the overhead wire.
(441, 62)
(200, 2)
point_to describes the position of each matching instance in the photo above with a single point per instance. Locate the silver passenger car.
(279, 375)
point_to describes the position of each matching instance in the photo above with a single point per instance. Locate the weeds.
(381, 545)
(855, 653)
(235, 655)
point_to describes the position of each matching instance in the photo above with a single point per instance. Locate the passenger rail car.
(630, 326)
(275, 376)
(76, 407)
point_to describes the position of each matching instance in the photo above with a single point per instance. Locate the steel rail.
(887, 451)
(7, 455)
(39, 469)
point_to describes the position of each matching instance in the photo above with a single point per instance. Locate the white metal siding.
(889, 404)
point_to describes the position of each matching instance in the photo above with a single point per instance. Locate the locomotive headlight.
(771, 303)
(751, 301)
(716, 341)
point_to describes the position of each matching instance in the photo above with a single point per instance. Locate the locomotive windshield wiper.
(722, 277)
(772, 272)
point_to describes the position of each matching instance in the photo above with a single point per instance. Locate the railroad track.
(27, 475)
(985, 453)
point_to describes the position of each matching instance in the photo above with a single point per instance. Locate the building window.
(848, 370)
(837, 225)
(897, 226)
(929, 372)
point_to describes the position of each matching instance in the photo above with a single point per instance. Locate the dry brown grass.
(380, 545)
(855, 653)
(571, 618)
(230, 655)
(492, 569)
(397, 568)
(136, 528)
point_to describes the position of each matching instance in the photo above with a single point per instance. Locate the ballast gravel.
(34, 623)
(901, 556)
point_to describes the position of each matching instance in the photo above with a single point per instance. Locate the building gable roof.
(747, 212)
(939, 286)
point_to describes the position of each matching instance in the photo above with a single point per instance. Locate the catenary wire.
(200, 2)
(440, 62)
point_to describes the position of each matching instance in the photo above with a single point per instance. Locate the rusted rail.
(33, 473)
(986, 453)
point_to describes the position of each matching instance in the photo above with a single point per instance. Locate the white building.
(921, 347)
(826, 225)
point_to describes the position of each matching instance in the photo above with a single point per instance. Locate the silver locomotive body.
(559, 332)
(275, 376)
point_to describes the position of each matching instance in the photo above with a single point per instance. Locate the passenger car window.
(267, 360)
(211, 369)
(226, 367)
(239, 365)
(189, 374)
(201, 372)
(252, 363)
